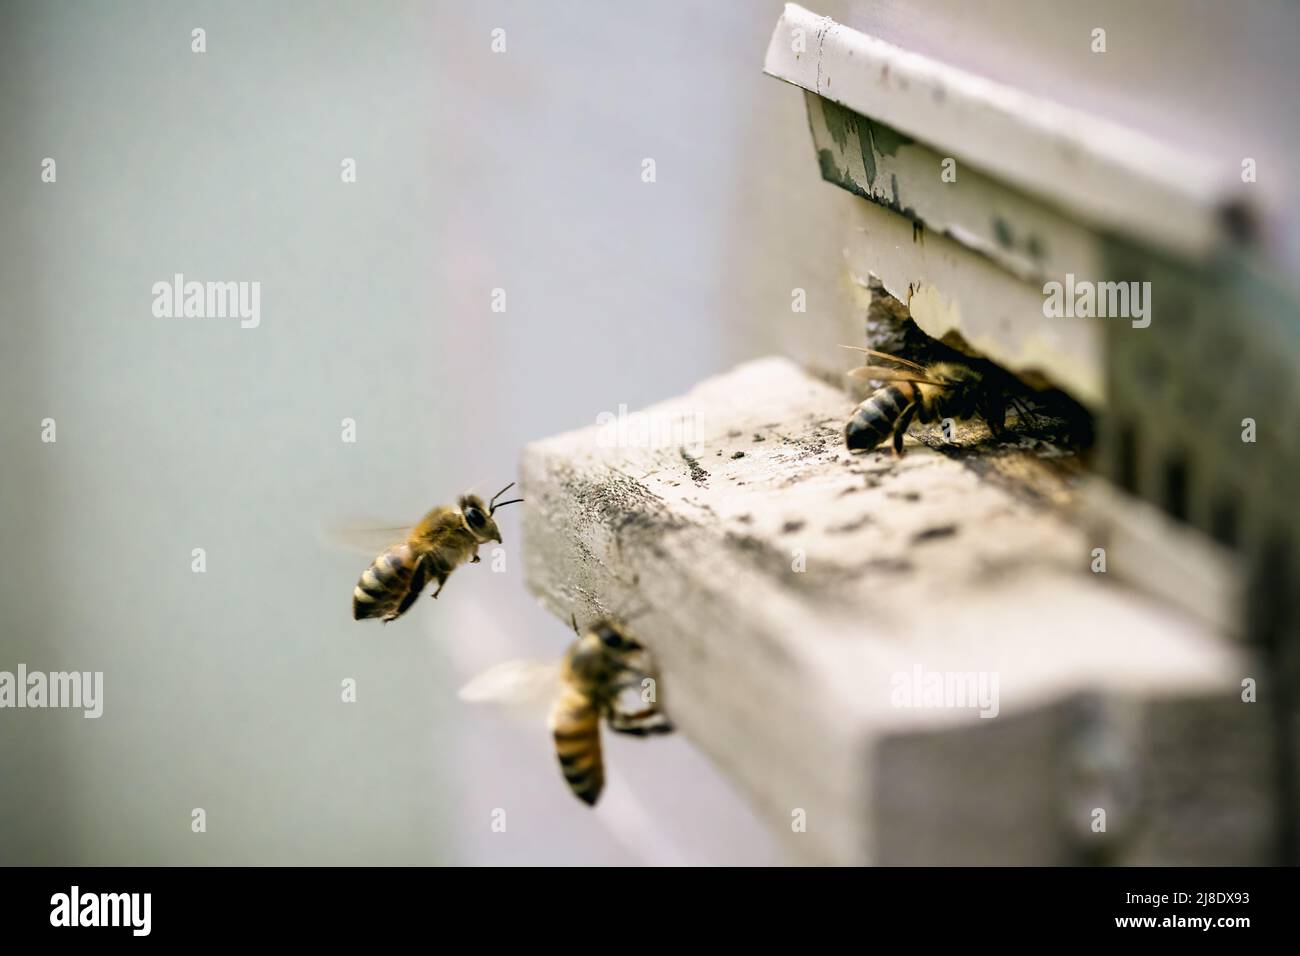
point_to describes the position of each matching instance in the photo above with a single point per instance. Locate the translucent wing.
(529, 686)
(906, 363)
(368, 538)
(880, 373)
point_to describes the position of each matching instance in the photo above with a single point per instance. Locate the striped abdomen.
(873, 421)
(390, 585)
(575, 724)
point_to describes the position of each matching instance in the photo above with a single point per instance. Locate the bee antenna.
(573, 619)
(493, 506)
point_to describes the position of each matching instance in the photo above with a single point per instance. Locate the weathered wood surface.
(789, 679)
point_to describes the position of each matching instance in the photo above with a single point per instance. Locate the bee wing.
(881, 373)
(529, 686)
(368, 538)
(906, 363)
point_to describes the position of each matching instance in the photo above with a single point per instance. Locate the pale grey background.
(476, 170)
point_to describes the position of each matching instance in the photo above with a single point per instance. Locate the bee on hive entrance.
(928, 393)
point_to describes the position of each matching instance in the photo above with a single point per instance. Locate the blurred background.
(475, 170)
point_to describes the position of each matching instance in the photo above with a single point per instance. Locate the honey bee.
(604, 674)
(927, 393)
(445, 539)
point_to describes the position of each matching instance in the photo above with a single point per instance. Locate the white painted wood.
(1027, 237)
(948, 287)
(788, 679)
(1109, 175)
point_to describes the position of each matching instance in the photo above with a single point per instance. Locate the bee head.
(604, 651)
(613, 640)
(478, 516)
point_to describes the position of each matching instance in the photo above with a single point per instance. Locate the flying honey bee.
(604, 674)
(445, 539)
(927, 393)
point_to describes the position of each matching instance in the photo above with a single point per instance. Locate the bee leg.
(475, 560)
(901, 426)
(1027, 415)
(997, 426)
(442, 579)
(640, 723)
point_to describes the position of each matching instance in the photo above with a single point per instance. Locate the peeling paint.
(873, 140)
(1002, 232)
(868, 152)
(887, 140)
(931, 309)
(830, 171)
(837, 121)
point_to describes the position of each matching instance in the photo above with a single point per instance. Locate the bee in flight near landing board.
(604, 674)
(928, 393)
(446, 538)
